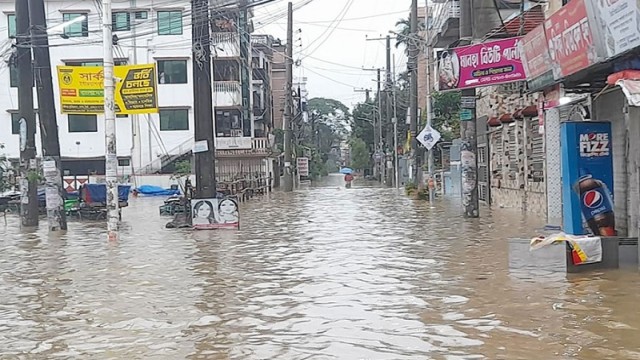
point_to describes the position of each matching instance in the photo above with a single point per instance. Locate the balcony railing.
(226, 44)
(227, 93)
(442, 12)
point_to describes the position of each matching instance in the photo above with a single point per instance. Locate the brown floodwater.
(323, 273)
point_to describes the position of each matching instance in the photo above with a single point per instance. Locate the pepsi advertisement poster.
(587, 179)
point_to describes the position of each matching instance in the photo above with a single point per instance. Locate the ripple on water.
(323, 273)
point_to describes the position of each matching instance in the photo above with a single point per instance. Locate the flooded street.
(323, 273)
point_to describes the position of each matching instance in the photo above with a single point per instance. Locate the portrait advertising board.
(490, 63)
(212, 214)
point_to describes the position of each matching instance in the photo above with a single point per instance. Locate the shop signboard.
(82, 89)
(490, 63)
(303, 166)
(619, 21)
(570, 36)
(536, 59)
(587, 178)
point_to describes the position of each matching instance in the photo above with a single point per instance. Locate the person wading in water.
(348, 179)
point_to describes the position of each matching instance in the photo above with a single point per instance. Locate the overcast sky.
(334, 51)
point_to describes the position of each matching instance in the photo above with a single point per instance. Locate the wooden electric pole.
(469, 147)
(203, 106)
(47, 113)
(288, 110)
(29, 169)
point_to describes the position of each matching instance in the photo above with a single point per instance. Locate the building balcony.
(226, 44)
(227, 93)
(262, 41)
(259, 75)
(242, 146)
(445, 26)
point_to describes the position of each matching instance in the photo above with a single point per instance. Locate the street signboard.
(468, 102)
(466, 114)
(429, 137)
(82, 89)
(303, 166)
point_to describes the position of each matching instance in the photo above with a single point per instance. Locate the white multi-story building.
(147, 31)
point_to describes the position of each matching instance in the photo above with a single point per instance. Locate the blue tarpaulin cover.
(151, 190)
(97, 193)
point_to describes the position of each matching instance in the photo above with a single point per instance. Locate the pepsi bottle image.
(596, 204)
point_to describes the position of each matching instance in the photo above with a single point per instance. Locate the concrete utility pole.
(28, 164)
(47, 112)
(413, 94)
(111, 161)
(387, 111)
(380, 152)
(429, 53)
(205, 162)
(469, 148)
(288, 109)
(136, 148)
(367, 94)
(395, 128)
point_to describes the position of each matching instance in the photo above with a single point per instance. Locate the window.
(83, 123)
(226, 70)
(142, 15)
(15, 123)
(122, 116)
(121, 21)
(228, 123)
(172, 71)
(11, 21)
(169, 22)
(174, 119)
(124, 162)
(79, 28)
(93, 63)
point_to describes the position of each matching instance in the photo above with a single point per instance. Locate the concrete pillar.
(553, 171)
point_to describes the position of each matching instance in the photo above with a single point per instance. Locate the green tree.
(404, 34)
(360, 154)
(446, 114)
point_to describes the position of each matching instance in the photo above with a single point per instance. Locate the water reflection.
(325, 273)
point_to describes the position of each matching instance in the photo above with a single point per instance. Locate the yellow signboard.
(82, 89)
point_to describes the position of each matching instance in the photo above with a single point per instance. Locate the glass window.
(124, 162)
(142, 15)
(174, 119)
(169, 22)
(83, 123)
(93, 63)
(11, 21)
(15, 123)
(172, 71)
(120, 21)
(228, 123)
(76, 29)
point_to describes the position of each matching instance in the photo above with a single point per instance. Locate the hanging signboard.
(211, 214)
(491, 63)
(619, 21)
(536, 59)
(570, 38)
(303, 166)
(429, 137)
(82, 89)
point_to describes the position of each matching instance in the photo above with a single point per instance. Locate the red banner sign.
(570, 38)
(537, 60)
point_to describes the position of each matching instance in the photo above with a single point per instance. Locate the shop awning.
(629, 82)
(506, 118)
(494, 122)
(529, 111)
(529, 20)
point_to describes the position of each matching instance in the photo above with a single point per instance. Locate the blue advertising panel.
(587, 178)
